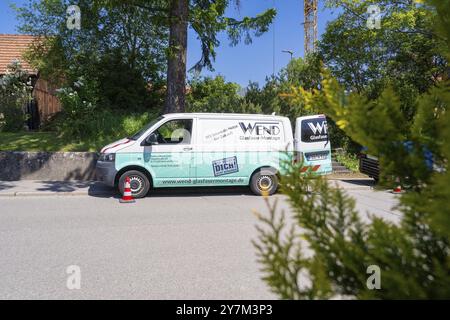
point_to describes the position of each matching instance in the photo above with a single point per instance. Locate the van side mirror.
(151, 139)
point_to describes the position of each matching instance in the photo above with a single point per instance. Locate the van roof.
(222, 115)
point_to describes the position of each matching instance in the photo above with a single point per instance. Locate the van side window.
(177, 131)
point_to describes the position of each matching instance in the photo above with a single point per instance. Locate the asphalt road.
(167, 246)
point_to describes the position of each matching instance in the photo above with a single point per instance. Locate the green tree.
(277, 92)
(217, 95)
(151, 38)
(119, 47)
(207, 18)
(303, 72)
(326, 250)
(405, 52)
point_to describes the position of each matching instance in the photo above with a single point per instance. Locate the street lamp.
(288, 51)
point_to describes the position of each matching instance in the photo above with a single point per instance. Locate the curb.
(357, 188)
(53, 194)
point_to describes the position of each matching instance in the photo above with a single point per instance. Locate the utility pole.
(273, 44)
(310, 25)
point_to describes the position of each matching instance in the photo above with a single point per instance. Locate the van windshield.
(138, 134)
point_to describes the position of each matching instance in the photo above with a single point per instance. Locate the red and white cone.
(127, 196)
(397, 189)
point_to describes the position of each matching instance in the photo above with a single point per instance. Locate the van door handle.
(187, 149)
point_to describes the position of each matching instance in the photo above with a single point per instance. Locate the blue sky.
(242, 63)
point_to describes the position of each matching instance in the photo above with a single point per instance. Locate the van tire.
(140, 185)
(263, 183)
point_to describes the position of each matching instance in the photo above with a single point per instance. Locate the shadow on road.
(358, 182)
(5, 185)
(64, 186)
(100, 191)
(93, 188)
(200, 192)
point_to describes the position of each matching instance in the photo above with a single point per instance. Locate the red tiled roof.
(12, 46)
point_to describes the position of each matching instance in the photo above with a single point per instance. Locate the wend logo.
(261, 128)
(314, 130)
(318, 128)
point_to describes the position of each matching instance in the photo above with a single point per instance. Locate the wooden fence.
(44, 95)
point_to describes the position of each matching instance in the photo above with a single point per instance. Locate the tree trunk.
(176, 68)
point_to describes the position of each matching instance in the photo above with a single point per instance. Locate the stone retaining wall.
(54, 166)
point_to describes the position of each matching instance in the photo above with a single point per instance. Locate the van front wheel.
(139, 183)
(263, 183)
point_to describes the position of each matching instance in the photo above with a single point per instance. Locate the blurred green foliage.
(325, 249)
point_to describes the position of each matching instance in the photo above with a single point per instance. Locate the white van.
(206, 149)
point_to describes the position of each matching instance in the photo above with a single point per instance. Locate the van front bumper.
(105, 172)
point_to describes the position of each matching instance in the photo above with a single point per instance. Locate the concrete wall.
(60, 166)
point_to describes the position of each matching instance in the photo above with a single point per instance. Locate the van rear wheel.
(264, 183)
(139, 183)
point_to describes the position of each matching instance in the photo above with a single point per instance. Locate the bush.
(79, 105)
(349, 160)
(15, 93)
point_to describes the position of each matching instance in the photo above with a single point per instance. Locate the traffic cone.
(127, 197)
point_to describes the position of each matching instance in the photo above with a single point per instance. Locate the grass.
(46, 141)
(104, 128)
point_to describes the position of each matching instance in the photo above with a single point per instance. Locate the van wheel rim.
(136, 184)
(265, 183)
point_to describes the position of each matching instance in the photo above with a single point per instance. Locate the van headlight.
(110, 157)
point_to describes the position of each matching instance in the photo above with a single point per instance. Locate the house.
(44, 103)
